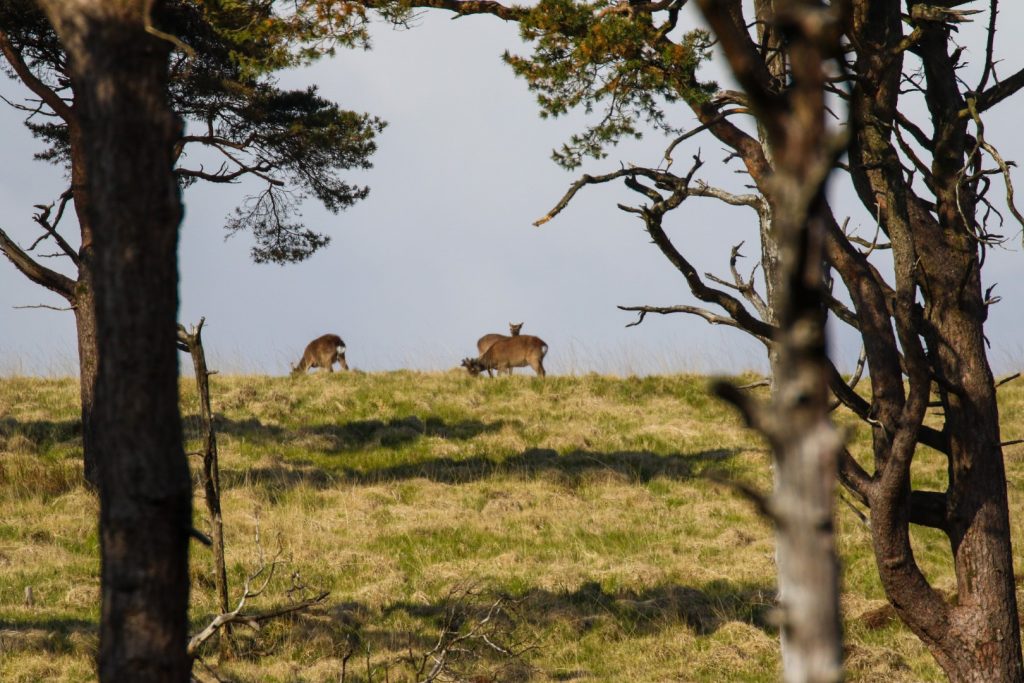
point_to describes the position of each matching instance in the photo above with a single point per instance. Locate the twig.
(860, 515)
(711, 317)
(52, 308)
(1007, 379)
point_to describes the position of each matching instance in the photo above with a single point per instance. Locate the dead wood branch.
(468, 632)
(711, 317)
(255, 585)
(46, 306)
(191, 341)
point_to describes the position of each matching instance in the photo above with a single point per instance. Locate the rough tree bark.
(128, 133)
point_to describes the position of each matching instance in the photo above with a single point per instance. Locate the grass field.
(586, 503)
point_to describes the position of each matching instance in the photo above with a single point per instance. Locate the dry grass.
(585, 500)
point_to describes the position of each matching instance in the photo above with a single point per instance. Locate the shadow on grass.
(41, 434)
(349, 436)
(704, 609)
(53, 635)
(570, 469)
(411, 629)
(619, 614)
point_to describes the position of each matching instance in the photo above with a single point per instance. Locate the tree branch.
(42, 218)
(997, 93)
(45, 93)
(33, 270)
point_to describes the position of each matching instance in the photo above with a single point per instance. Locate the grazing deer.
(508, 353)
(322, 352)
(485, 341)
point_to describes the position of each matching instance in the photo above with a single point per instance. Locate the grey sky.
(443, 251)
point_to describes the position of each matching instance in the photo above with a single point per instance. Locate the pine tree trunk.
(128, 132)
(85, 325)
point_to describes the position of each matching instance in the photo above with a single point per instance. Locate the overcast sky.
(443, 250)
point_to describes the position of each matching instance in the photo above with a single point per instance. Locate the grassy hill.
(588, 505)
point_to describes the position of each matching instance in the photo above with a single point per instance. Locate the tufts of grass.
(590, 503)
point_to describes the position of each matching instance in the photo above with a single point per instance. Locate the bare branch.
(993, 12)
(699, 129)
(1007, 379)
(1004, 167)
(754, 412)
(855, 379)
(997, 93)
(576, 187)
(33, 270)
(711, 317)
(860, 515)
(463, 7)
(762, 501)
(50, 228)
(52, 308)
(252, 620)
(45, 93)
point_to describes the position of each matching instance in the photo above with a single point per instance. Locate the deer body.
(322, 352)
(508, 353)
(485, 342)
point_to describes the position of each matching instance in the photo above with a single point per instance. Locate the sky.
(443, 249)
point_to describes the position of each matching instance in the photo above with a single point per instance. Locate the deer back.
(323, 352)
(514, 351)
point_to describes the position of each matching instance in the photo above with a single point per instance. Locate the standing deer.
(322, 352)
(485, 341)
(508, 353)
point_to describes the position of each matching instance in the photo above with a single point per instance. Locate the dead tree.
(301, 597)
(191, 341)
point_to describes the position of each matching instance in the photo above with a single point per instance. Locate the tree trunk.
(980, 641)
(796, 423)
(936, 259)
(79, 295)
(85, 325)
(128, 132)
(193, 343)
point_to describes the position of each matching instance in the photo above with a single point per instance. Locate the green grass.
(586, 502)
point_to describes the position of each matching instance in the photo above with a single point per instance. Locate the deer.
(322, 352)
(510, 352)
(485, 341)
